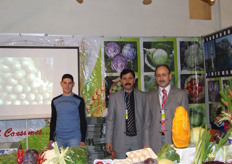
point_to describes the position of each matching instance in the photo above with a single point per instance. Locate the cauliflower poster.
(191, 56)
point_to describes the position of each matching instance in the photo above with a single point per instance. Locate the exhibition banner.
(101, 59)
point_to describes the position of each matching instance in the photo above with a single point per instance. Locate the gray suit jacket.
(116, 119)
(152, 127)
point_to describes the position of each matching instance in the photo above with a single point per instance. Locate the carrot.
(230, 93)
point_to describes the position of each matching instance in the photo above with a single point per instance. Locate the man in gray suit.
(124, 125)
(154, 135)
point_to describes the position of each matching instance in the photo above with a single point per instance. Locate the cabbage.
(197, 116)
(157, 56)
(118, 63)
(195, 134)
(129, 52)
(112, 49)
(196, 119)
(78, 154)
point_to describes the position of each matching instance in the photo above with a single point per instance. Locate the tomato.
(195, 92)
(189, 89)
(190, 92)
(200, 88)
(99, 162)
(193, 81)
(195, 87)
(189, 85)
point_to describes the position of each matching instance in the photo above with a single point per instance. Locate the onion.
(17, 102)
(9, 88)
(19, 74)
(25, 102)
(31, 77)
(12, 81)
(16, 66)
(31, 97)
(26, 89)
(22, 96)
(1, 102)
(18, 88)
(7, 102)
(39, 97)
(4, 68)
(9, 60)
(12, 96)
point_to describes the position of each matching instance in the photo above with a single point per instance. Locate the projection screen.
(30, 77)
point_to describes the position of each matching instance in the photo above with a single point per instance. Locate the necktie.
(164, 99)
(130, 128)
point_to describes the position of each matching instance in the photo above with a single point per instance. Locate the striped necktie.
(130, 123)
(164, 99)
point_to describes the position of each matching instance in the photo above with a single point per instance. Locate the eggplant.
(214, 162)
(150, 161)
(217, 136)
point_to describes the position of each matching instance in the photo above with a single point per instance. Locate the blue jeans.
(72, 142)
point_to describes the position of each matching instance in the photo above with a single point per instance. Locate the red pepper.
(20, 156)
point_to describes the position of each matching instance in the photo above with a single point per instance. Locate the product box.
(138, 156)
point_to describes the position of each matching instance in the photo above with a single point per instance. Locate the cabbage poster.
(120, 53)
(155, 51)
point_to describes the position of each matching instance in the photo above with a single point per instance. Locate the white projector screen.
(30, 77)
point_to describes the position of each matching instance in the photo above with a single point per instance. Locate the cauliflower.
(49, 155)
(56, 155)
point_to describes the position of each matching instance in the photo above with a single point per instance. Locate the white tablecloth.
(187, 154)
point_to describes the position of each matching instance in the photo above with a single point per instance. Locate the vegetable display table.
(75, 155)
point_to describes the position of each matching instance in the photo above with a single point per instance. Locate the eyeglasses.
(161, 75)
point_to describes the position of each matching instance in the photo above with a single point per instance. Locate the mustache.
(128, 84)
(162, 81)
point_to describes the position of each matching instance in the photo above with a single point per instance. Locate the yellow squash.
(181, 132)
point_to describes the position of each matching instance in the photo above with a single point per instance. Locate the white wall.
(110, 17)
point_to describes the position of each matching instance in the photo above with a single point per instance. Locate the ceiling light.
(210, 2)
(147, 2)
(80, 1)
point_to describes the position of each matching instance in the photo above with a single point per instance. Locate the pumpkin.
(181, 132)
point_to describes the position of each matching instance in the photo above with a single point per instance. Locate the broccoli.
(168, 152)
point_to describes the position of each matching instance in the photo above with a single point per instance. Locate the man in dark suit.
(155, 135)
(125, 118)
